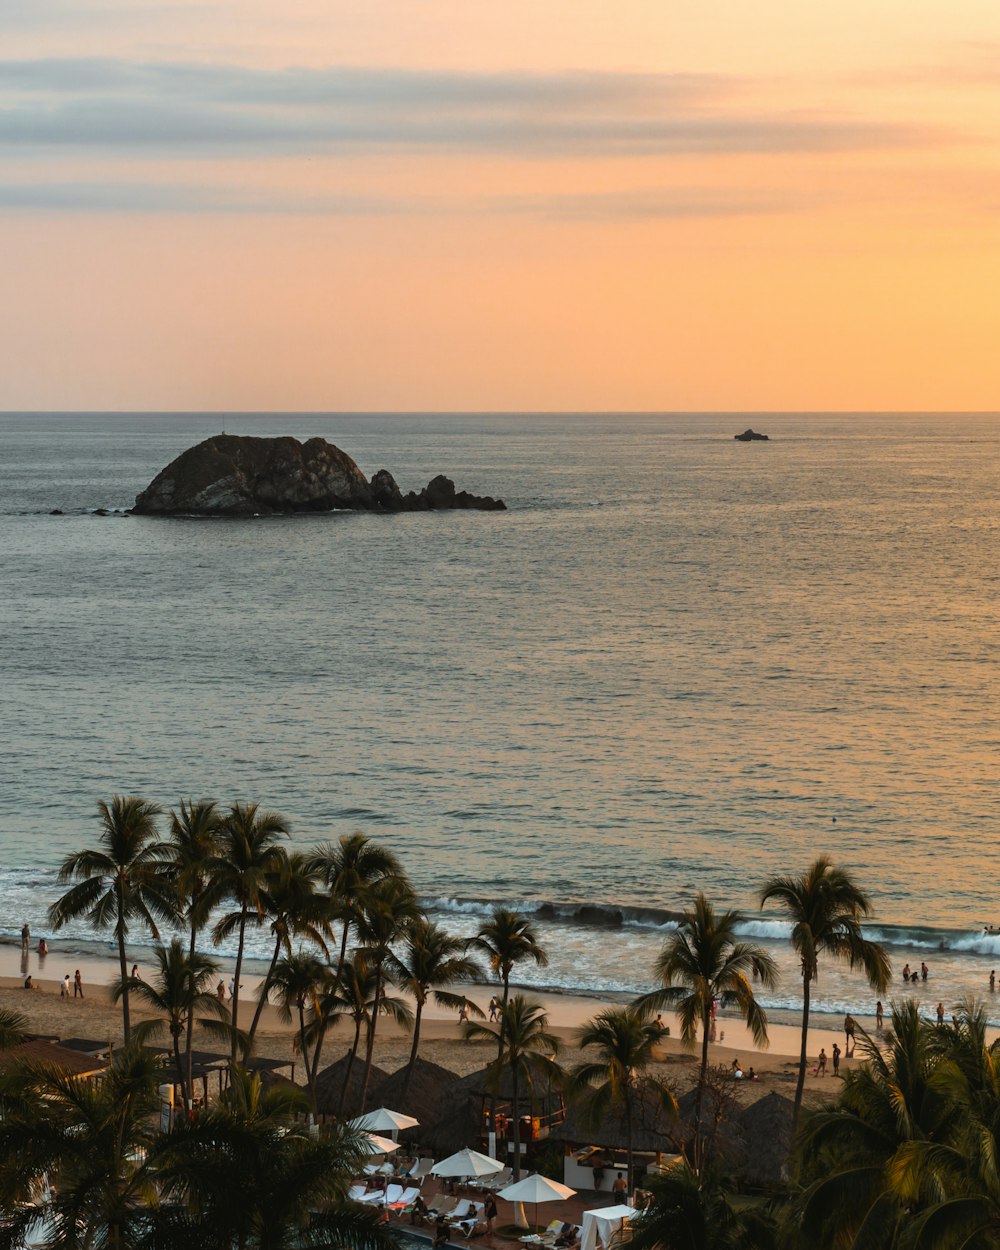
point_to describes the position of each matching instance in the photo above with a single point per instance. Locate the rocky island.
(751, 436)
(241, 476)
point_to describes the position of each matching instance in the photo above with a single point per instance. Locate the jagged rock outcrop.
(238, 475)
(751, 436)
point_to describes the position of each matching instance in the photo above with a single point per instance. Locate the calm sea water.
(677, 663)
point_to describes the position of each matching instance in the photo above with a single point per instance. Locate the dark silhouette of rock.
(57, 512)
(751, 436)
(99, 512)
(234, 475)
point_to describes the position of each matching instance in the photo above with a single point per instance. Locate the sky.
(543, 205)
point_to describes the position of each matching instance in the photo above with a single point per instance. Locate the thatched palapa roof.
(654, 1126)
(330, 1082)
(429, 1085)
(767, 1129)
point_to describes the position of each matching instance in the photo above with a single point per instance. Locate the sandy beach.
(96, 1016)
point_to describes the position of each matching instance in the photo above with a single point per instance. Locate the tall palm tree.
(701, 961)
(91, 1141)
(300, 980)
(348, 869)
(527, 1048)
(194, 846)
(177, 991)
(389, 907)
(826, 907)
(430, 959)
(623, 1040)
(506, 939)
(297, 910)
(251, 857)
(122, 881)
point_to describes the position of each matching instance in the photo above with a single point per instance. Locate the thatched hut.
(653, 1122)
(330, 1083)
(767, 1128)
(428, 1086)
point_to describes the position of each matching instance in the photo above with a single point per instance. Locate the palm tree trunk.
(265, 988)
(701, 1088)
(628, 1140)
(310, 1073)
(370, 1048)
(413, 1049)
(503, 1004)
(122, 962)
(350, 1065)
(236, 980)
(185, 1089)
(189, 1051)
(517, 1123)
(804, 1048)
(343, 949)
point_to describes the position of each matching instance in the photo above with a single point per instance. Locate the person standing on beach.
(77, 985)
(850, 1024)
(134, 974)
(993, 981)
(836, 1059)
(25, 937)
(879, 1015)
(64, 991)
(820, 1068)
(220, 991)
(940, 1013)
(494, 1007)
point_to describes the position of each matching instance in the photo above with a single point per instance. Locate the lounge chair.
(499, 1181)
(443, 1204)
(356, 1192)
(405, 1199)
(472, 1228)
(553, 1231)
(421, 1169)
(467, 1210)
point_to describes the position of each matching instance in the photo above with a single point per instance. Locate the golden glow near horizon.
(530, 205)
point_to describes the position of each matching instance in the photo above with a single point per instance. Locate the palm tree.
(250, 859)
(194, 846)
(507, 939)
(123, 880)
(389, 907)
(886, 1153)
(348, 870)
(297, 911)
(696, 1212)
(300, 980)
(430, 959)
(526, 1048)
(177, 991)
(624, 1040)
(247, 1175)
(702, 961)
(90, 1143)
(826, 907)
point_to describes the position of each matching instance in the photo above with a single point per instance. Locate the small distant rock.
(57, 512)
(751, 436)
(99, 512)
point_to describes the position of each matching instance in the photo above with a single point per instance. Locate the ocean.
(677, 663)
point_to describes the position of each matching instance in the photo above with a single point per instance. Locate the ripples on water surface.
(669, 666)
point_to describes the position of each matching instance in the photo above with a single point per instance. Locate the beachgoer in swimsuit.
(924, 971)
(879, 1015)
(836, 1059)
(820, 1068)
(940, 1013)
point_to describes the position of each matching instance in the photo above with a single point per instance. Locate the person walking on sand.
(64, 991)
(836, 1059)
(993, 981)
(850, 1024)
(879, 1016)
(77, 984)
(220, 991)
(463, 1013)
(494, 1007)
(820, 1068)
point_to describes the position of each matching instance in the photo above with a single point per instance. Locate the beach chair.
(472, 1228)
(356, 1192)
(405, 1199)
(554, 1229)
(443, 1204)
(499, 1180)
(421, 1169)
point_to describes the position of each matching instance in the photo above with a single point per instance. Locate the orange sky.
(371, 205)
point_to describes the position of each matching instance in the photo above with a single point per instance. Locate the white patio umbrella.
(381, 1145)
(467, 1163)
(384, 1121)
(536, 1189)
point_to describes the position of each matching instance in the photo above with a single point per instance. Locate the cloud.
(191, 198)
(169, 108)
